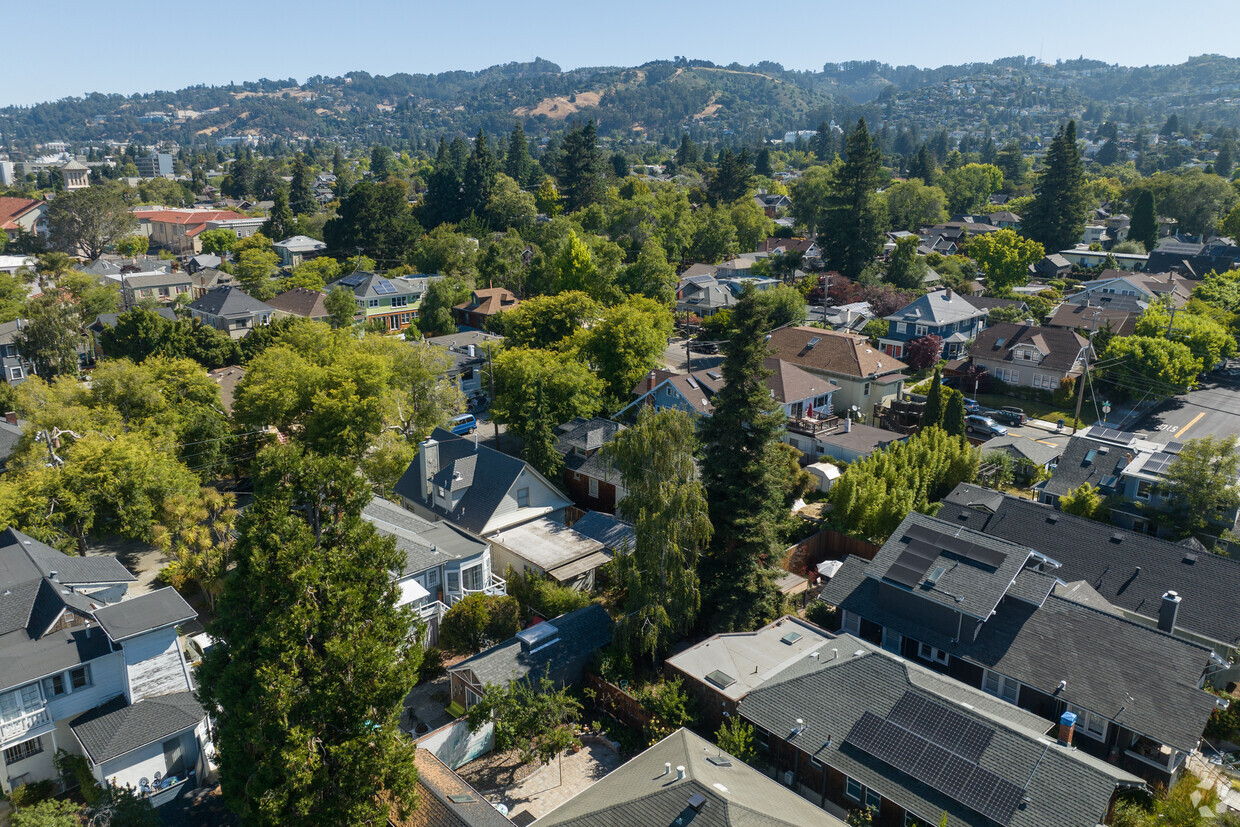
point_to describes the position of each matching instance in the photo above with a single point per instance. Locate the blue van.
(464, 424)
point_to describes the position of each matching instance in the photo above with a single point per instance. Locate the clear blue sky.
(131, 46)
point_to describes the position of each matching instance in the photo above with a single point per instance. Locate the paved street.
(1211, 410)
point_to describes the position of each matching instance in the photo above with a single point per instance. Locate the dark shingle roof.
(1063, 786)
(24, 558)
(1131, 674)
(1209, 585)
(1061, 348)
(580, 633)
(640, 793)
(228, 301)
(609, 530)
(423, 543)
(115, 728)
(1076, 466)
(23, 659)
(437, 784)
(110, 319)
(145, 613)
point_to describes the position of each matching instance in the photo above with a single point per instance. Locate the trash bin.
(1060, 426)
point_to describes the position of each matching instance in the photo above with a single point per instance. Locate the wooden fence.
(827, 544)
(619, 704)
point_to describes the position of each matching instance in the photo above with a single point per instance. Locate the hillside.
(1010, 97)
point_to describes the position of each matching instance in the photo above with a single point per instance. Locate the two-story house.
(298, 250)
(23, 215)
(943, 313)
(443, 562)
(478, 488)
(164, 288)
(994, 614)
(1030, 356)
(84, 670)
(591, 482)
(1144, 287)
(230, 310)
(393, 302)
(483, 305)
(703, 296)
(867, 378)
(469, 350)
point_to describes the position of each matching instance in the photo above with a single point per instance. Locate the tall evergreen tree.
(732, 177)
(479, 178)
(1226, 158)
(666, 503)
(1056, 218)
(933, 413)
(581, 168)
(380, 162)
(1012, 164)
(1144, 225)
(922, 166)
(740, 470)
(444, 191)
(763, 165)
(824, 143)
(301, 192)
(518, 165)
(280, 223)
(854, 220)
(688, 153)
(953, 413)
(315, 659)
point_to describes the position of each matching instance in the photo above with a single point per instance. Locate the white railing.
(497, 585)
(20, 726)
(433, 610)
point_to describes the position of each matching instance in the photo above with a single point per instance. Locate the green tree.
(628, 342)
(280, 223)
(375, 218)
(922, 166)
(732, 177)
(380, 162)
(509, 207)
(666, 503)
(1083, 501)
(518, 164)
(314, 274)
(907, 269)
(537, 390)
(1056, 217)
(810, 197)
(1142, 364)
(447, 252)
(301, 198)
(953, 413)
(969, 188)
(1202, 483)
(581, 168)
(50, 336)
(735, 737)
(933, 413)
(435, 315)
(548, 199)
(86, 222)
(853, 223)
(752, 225)
(50, 813)
(254, 273)
(91, 296)
(1209, 341)
(650, 275)
(912, 205)
(1006, 258)
(311, 634)
(219, 242)
(132, 246)
(478, 179)
(744, 489)
(196, 534)
(550, 322)
(478, 621)
(341, 306)
(531, 716)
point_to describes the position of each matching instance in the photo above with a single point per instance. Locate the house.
(854, 441)
(298, 250)
(203, 261)
(393, 302)
(164, 288)
(469, 350)
(686, 779)
(772, 203)
(178, 230)
(22, 215)
(1029, 356)
(1084, 258)
(943, 313)
(547, 548)
(443, 563)
(1027, 453)
(1003, 219)
(1052, 266)
(703, 296)
(1193, 259)
(862, 727)
(721, 670)
(867, 378)
(301, 302)
(482, 305)
(445, 800)
(476, 487)
(11, 264)
(1129, 570)
(849, 318)
(559, 649)
(591, 483)
(105, 320)
(615, 534)
(1145, 287)
(1129, 471)
(1084, 317)
(209, 278)
(83, 669)
(230, 310)
(993, 614)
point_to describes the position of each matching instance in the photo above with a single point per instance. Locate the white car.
(197, 646)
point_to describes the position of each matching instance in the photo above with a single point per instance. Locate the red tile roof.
(13, 208)
(187, 216)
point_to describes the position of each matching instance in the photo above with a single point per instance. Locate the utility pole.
(491, 378)
(1080, 392)
(826, 288)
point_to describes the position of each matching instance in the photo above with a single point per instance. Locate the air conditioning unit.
(787, 778)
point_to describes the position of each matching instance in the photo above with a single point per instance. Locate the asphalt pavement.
(1213, 409)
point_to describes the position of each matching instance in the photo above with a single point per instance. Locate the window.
(866, 390)
(400, 301)
(929, 653)
(20, 702)
(1089, 724)
(15, 373)
(23, 750)
(853, 789)
(873, 800)
(899, 327)
(851, 623)
(763, 737)
(372, 303)
(523, 498)
(471, 578)
(80, 677)
(55, 686)
(1144, 487)
(593, 487)
(432, 578)
(1001, 687)
(911, 820)
(393, 322)
(921, 330)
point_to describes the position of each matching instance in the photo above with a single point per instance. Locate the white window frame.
(892, 638)
(1003, 686)
(17, 752)
(1087, 723)
(372, 303)
(876, 806)
(523, 497)
(927, 652)
(849, 784)
(866, 390)
(24, 704)
(467, 571)
(593, 487)
(920, 330)
(899, 327)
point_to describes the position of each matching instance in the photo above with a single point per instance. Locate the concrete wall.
(456, 746)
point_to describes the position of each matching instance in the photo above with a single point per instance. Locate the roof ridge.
(1133, 623)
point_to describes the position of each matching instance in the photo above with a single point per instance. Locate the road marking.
(1044, 442)
(1190, 424)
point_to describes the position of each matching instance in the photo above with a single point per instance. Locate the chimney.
(54, 576)
(473, 351)
(847, 424)
(948, 293)
(1067, 726)
(680, 773)
(10, 417)
(428, 465)
(1167, 611)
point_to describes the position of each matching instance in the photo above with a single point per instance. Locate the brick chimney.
(1067, 727)
(10, 417)
(1167, 612)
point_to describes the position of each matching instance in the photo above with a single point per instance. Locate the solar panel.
(1173, 447)
(1158, 463)
(1002, 803)
(353, 280)
(1112, 435)
(384, 286)
(941, 725)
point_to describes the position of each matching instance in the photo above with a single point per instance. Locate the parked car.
(198, 646)
(971, 405)
(464, 424)
(977, 424)
(1009, 416)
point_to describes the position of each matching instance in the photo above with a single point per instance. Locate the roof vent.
(1117, 537)
(462, 798)
(1190, 558)
(1052, 518)
(697, 801)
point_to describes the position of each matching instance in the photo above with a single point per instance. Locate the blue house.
(943, 313)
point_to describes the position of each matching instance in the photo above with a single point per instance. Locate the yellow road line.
(1191, 423)
(1044, 442)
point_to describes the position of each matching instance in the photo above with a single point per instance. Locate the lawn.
(1035, 410)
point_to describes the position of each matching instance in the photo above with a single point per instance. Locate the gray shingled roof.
(1074, 469)
(144, 613)
(423, 543)
(1023, 447)
(110, 319)
(23, 659)
(580, 633)
(939, 307)
(1063, 787)
(609, 530)
(23, 558)
(115, 728)
(1209, 585)
(228, 301)
(1136, 676)
(639, 793)
(1062, 347)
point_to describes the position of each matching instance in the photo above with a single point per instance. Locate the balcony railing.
(814, 426)
(434, 610)
(20, 726)
(496, 585)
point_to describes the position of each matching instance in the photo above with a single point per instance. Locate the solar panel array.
(940, 748)
(1173, 447)
(912, 564)
(1158, 463)
(1112, 435)
(958, 546)
(353, 280)
(383, 286)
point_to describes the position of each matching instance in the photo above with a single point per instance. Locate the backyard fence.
(622, 706)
